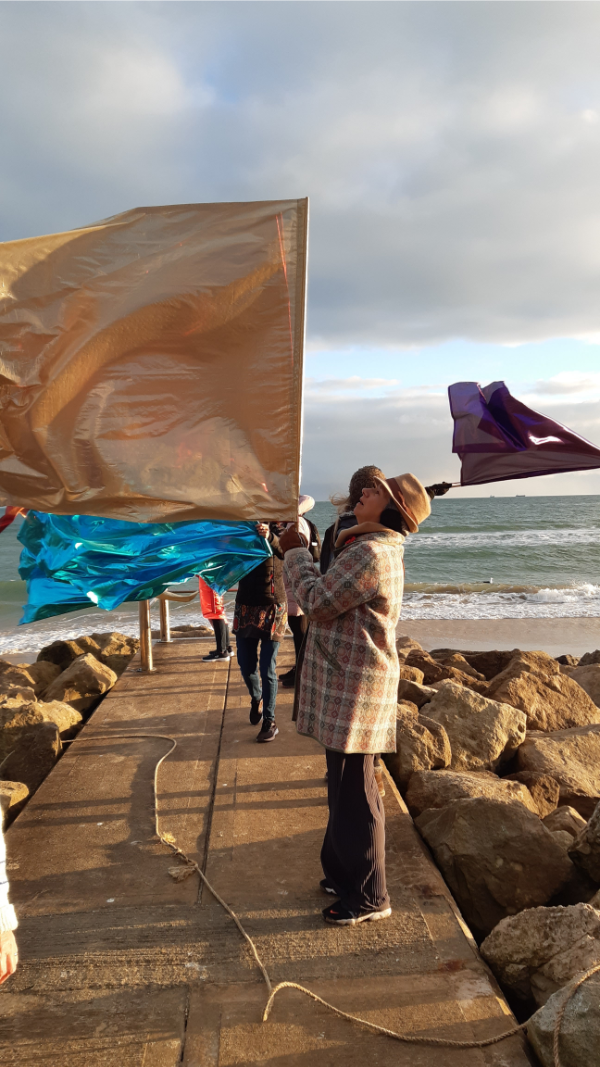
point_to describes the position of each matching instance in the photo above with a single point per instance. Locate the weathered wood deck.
(123, 967)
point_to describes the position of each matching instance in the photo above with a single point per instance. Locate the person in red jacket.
(213, 609)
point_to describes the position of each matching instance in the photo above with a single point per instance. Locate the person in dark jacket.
(363, 478)
(260, 618)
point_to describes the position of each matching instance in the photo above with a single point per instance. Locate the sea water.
(487, 558)
(503, 558)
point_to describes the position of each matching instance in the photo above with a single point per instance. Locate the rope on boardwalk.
(168, 840)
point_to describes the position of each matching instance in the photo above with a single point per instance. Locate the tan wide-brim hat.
(410, 497)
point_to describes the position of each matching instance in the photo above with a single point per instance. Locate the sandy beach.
(554, 636)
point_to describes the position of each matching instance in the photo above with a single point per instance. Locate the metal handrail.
(147, 666)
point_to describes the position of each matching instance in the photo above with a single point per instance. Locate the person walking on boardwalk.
(260, 618)
(297, 620)
(213, 609)
(8, 922)
(348, 682)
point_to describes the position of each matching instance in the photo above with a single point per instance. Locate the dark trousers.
(353, 853)
(221, 630)
(298, 624)
(250, 664)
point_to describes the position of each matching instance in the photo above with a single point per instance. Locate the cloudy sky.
(451, 153)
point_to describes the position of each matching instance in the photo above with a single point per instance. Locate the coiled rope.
(190, 866)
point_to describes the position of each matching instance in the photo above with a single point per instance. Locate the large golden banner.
(151, 364)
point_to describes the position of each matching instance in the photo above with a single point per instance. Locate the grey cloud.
(406, 432)
(558, 387)
(450, 151)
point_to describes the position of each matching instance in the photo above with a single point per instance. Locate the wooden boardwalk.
(121, 966)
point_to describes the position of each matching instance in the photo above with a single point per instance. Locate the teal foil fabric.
(75, 561)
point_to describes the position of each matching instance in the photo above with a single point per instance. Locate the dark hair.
(363, 478)
(391, 517)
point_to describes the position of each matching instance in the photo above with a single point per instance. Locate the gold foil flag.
(151, 364)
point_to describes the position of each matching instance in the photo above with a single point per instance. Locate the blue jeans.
(248, 659)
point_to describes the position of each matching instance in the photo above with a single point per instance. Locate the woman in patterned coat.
(348, 683)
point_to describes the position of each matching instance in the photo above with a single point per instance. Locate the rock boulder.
(436, 789)
(411, 674)
(590, 657)
(579, 1041)
(404, 644)
(459, 663)
(544, 789)
(550, 700)
(83, 683)
(589, 679)
(16, 718)
(113, 649)
(16, 694)
(36, 676)
(496, 857)
(585, 849)
(12, 798)
(34, 752)
(415, 693)
(572, 758)
(421, 744)
(565, 819)
(62, 653)
(490, 663)
(483, 733)
(535, 953)
(116, 650)
(435, 672)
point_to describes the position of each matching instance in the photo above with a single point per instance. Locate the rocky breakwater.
(499, 763)
(46, 702)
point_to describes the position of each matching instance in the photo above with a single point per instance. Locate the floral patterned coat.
(347, 690)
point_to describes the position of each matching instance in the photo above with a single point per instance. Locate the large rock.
(496, 856)
(83, 683)
(411, 674)
(572, 758)
(37, 676)
(483, 733)
(404, 645)
(459, 663)
(590, 657)
(535, 953)
(579, 1040)
(114, 649)
(585, 849)
(13, 796)
(565, 819)
(35, 751)
(550, 700)
(421, 744)
(544, 790)
(436, 789)
(415, 693)
(435, 672)
(17, 718)
(490, 663)
(432, 670)
(63, 653)
(589, 679)
(16, 694)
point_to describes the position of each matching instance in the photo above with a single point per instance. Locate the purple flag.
(498, 438)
